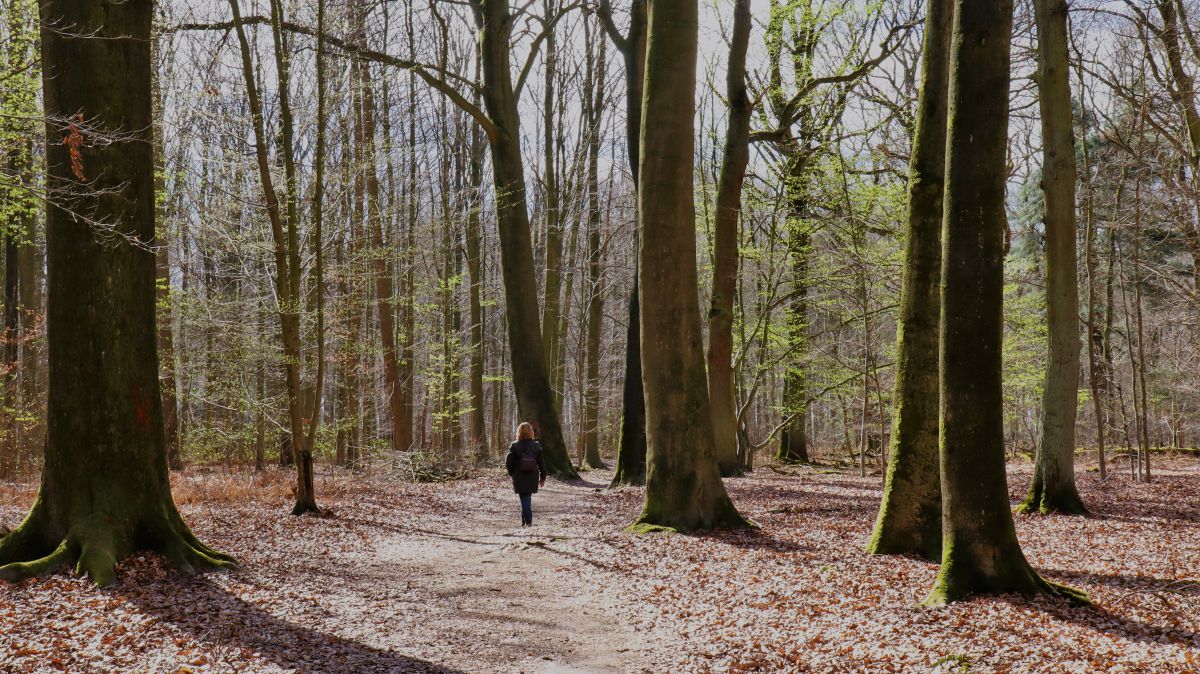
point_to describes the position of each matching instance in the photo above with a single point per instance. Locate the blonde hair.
(525, 431)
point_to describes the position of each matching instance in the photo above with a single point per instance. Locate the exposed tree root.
(61, 558)
(586, 465)
(1042, 503)
(1025, 582)
(725, 517)
(306, 508)
(94, 550)
(640, 527)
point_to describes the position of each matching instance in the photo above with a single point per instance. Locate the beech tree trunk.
(980, 552)
(105, 491)
(535, 397)
(910, 515)
(1053, 488)
(594, 83)
(474, 237)
(552, 312)
(721, 392)
(683, 484)
(631, 450)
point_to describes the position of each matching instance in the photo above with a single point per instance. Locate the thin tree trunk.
(631, 449)
(381, 268)
(594, 103)
(735, 158)
(474, 236)
(1095, 336)
(286, 248)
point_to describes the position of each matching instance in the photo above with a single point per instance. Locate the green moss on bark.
(980, 552)
(909, 520)
(105, 493)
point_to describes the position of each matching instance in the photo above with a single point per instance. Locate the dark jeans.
(526, 508)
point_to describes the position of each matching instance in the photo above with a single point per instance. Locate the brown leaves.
(411, 576)
(73, 142)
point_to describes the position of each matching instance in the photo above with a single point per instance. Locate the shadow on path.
(210, 614)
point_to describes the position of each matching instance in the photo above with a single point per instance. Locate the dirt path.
(429, 578)
(513, 599)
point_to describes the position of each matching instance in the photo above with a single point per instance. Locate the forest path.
(507, 598)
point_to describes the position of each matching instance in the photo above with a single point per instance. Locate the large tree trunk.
(736, 156)
(105, 491)
(980, 552)
(631, 450)
(683, 485)
(535, 398)
(1053, 488)
(910, 515)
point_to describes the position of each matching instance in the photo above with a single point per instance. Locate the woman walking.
(526, 468)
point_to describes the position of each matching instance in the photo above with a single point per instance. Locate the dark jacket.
(525, 483)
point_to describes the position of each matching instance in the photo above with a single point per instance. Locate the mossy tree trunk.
(1053, 488)
(105, 491)
(683, 485)
(631, 450)
(736, 156)
(531, 381)
(910, 515)
(793, 440)
(980, 552)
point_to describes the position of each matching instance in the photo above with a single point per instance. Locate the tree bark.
(381, 268)
(286, 249)
(535, 398)
(793, 441)
(910, 515)
(105, 491)
(683, 484)
(631, 450)
(1095, 335)
(1053, 489)
(980, 552)
(474, 236)
(736, 156)
(552, 313)
(594, 103)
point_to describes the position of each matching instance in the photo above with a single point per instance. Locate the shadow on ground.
(210, 614)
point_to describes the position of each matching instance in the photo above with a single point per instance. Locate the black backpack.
(528, 462)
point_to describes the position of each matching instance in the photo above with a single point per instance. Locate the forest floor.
(408, 577)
